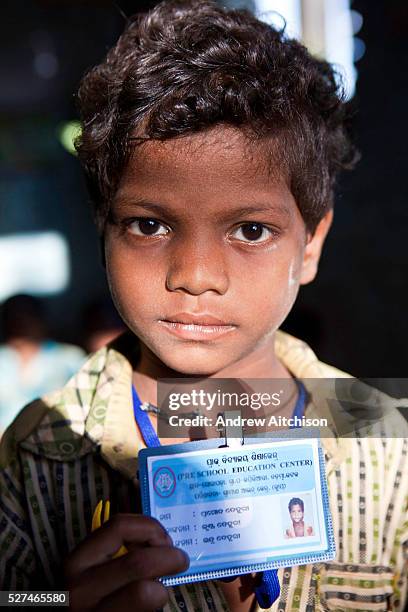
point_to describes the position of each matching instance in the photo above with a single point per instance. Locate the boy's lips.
(191, 326)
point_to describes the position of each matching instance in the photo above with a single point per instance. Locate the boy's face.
(296, 513)
(205, 250)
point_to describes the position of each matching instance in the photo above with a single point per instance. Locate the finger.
(140, 564)
(102, 544)
(143, 596)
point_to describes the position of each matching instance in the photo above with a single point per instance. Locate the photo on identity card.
(297, 514)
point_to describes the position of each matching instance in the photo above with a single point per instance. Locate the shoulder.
(5, 351)
(64, 350)
(64, 424)
(301, 360)
(352, 406)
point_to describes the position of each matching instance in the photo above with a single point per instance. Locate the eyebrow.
(244, 211)
(158, 209)
(168, 211)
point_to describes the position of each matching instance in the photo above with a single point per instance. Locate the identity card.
(236, 510)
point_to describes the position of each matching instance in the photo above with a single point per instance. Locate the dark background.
(355, 314)
(358, 305)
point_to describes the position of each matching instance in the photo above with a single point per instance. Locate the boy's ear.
(313, 249)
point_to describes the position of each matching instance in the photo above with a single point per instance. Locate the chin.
(192, 368)
(198, 362)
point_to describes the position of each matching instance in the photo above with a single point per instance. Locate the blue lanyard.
(146, 428)
(268, 590)
(300, 405)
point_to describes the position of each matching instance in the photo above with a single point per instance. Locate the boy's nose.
(197, 267)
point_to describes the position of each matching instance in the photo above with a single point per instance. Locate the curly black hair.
(296, 501)
(189, 65)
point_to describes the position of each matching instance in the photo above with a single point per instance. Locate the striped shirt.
(79, 445)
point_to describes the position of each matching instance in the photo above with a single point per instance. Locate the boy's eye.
(147, 227)
(253, 232)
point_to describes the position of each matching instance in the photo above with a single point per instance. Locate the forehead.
(216, 148)
(221, 161)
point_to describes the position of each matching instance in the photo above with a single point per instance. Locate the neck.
(261, 363)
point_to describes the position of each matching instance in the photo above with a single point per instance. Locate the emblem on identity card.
(164, 481)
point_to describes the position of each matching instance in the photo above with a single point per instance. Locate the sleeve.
(400, 597)
(18, 568)
(398, 508)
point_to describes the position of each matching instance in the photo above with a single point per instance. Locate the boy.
(210, 145)
(296, 509)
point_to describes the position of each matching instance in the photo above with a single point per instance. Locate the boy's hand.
(98, 582)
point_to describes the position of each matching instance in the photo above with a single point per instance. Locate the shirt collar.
(95, 411)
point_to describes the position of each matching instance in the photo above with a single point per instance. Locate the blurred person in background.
(31, 363)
